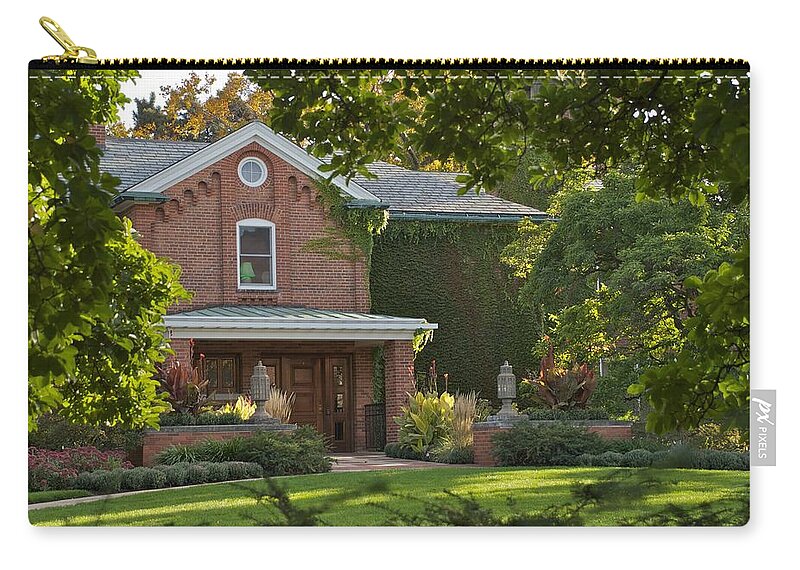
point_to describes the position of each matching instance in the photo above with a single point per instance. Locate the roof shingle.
(406, 193)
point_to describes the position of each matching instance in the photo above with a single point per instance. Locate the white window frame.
(259, 223)
(264, 171)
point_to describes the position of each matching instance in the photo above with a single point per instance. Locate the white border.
(258, 223)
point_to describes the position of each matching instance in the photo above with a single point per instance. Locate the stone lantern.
(506, 390)
(259, 389)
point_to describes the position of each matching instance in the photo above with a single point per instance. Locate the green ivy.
(355, 227)
(450, 273)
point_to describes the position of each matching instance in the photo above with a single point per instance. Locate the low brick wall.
(155, 441)
(483, 432)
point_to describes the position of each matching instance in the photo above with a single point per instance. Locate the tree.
(687, 129)
(95, 296)
(193, 111)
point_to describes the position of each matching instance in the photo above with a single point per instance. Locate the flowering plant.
(49, 470)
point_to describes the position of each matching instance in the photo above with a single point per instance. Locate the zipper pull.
(71, 51)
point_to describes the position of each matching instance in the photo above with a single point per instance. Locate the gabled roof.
(281, 322)
(192, 158)
(148, 167)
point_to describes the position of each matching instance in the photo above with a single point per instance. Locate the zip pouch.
(531, 275)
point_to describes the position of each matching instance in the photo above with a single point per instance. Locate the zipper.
(78, 57)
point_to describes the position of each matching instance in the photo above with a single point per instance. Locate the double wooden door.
(322, 386)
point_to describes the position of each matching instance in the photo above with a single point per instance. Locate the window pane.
(211, 373)
(227, 373)
(254, 239)
(251, 171)
(256, 269)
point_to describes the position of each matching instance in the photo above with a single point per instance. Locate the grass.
(234, 504)
(48, 496)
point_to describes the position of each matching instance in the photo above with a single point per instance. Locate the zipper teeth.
(441, 63)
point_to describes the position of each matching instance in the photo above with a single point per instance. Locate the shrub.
(301, 451)
(177, 419)
(651, 444)
(242, 410)
(452, 455)
(637, 458)
(544, 444)
(196, 474)
(177, 475)
(178, 454)
(562, 415)
(608, 459)
(426, 420)
(714, 436)
(56, 434)
(242, 470)
(102, 482)
(218, 419)
(722, 460)
(584, 460)
(140, 478)
(53, 470)
(483, 409)
(400, 452)
(218, 472)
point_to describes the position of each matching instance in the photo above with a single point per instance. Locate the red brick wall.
(399, 373)
(154, 442)
(196, 228)
(482, 439)
(482, 446)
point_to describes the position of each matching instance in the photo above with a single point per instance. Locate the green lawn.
(357, 498)
(47, 496)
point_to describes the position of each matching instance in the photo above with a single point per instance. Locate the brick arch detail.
(258, 210)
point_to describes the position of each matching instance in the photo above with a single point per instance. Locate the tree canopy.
(194, 110)
(687, 130)
(95, 296)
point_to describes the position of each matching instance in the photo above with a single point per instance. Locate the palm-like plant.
(184, 385)
(561, 388)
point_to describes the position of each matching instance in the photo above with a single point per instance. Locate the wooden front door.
(303, 376)
(323, 393)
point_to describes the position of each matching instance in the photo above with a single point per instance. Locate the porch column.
(399, 379)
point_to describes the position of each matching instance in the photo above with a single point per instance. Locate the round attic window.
(252, 171)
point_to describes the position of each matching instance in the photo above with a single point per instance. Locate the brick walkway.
(377, 461)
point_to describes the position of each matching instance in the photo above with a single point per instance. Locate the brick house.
(235, 215)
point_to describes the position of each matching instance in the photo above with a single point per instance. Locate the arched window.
(255, 247)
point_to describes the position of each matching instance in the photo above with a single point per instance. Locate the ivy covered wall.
(450, 273)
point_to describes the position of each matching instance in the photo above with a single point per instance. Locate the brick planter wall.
(484, 432)
(155, 442)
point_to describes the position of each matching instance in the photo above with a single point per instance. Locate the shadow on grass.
(639, 497)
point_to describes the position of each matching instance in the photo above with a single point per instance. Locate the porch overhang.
(291, 323)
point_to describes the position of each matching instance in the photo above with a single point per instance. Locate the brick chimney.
(99, 134)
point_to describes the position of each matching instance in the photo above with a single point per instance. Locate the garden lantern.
(259, 389)
(506, 390)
